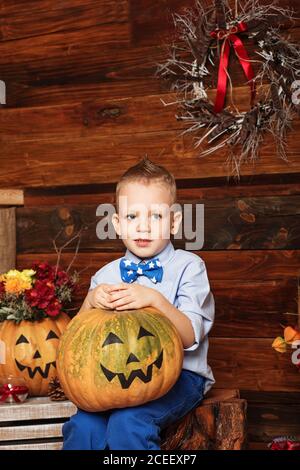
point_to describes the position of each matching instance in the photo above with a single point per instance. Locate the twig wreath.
(206, 36)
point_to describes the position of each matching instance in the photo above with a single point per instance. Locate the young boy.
(152, 273)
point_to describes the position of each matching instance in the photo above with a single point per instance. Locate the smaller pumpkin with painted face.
(29, 350)
(109, 359)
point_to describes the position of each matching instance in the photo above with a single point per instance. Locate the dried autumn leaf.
(291, 334)
(279, 344)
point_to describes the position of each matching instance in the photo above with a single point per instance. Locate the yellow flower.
(16, 285)
(28, 272)
(16, 282)
(12, 273)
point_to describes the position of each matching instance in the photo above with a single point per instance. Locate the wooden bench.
(218, 423)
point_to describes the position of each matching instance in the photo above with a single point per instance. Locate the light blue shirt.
(185, 284)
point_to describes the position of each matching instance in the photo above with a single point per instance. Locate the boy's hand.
(100, 297)
(129, 296)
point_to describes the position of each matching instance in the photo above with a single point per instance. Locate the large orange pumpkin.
(108, 359)
(29, 350)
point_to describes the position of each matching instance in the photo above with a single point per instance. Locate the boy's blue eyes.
(133, 216)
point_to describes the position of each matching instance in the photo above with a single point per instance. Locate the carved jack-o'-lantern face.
(30, 350)
(108, 359)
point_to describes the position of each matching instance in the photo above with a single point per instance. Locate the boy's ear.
(116, 223)
(176, 221)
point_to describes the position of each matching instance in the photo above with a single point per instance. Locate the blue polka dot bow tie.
(130, 270)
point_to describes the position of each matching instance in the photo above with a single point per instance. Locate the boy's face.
(145, 221)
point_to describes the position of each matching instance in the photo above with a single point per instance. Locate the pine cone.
(55, 392)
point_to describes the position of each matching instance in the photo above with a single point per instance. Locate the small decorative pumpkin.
(30, 350)
(108, 359)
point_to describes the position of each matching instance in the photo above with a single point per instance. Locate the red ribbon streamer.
(230, 37)
(14, 390)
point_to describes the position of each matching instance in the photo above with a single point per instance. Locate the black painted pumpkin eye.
(22, 339)
(143, 333)
(52, 335)
(111, 339)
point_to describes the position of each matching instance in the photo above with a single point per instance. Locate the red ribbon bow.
(230, 37)
(14, 390)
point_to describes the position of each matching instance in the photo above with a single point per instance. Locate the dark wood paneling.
(26, 95)
(61, 55)
(252, 364)
(221, 266)
(152, 19)
(21, 19)
(234, 224)
(104, 159)
(189, 190)
(262, 397)
(92, 56)
(88, 118)
(253, 309)
(268, 421)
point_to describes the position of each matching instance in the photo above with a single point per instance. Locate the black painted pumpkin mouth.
(32, 371)
(125, 383)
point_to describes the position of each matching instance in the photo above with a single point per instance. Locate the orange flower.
(16, 285)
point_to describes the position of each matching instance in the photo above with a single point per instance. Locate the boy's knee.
(84, 431)
(121, 417)
(129, 428)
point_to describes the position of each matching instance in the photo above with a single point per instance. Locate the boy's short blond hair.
(147, 172)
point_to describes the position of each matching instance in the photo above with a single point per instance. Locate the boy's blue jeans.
(134, 428)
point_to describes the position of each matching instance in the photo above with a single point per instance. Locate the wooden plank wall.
(83, 104)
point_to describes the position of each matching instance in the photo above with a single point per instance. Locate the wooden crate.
(35, 424)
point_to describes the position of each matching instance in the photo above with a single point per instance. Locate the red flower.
(54, 308)
(2, 289)
(41, 295)
(44, 271)
(62, 278)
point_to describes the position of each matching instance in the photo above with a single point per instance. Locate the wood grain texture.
(36, 408)
(268, 420)
(67, 49)
(87, 118)
(252, 364)
(219, 425)
(31, 18)
(7, 239)
(230, 224)
(105, 159)
(152, 19)
(222, 266)
(188, 189)
(109, 71)
(34, 431)
(11, 197)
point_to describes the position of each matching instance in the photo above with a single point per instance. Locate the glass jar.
(13, 389)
